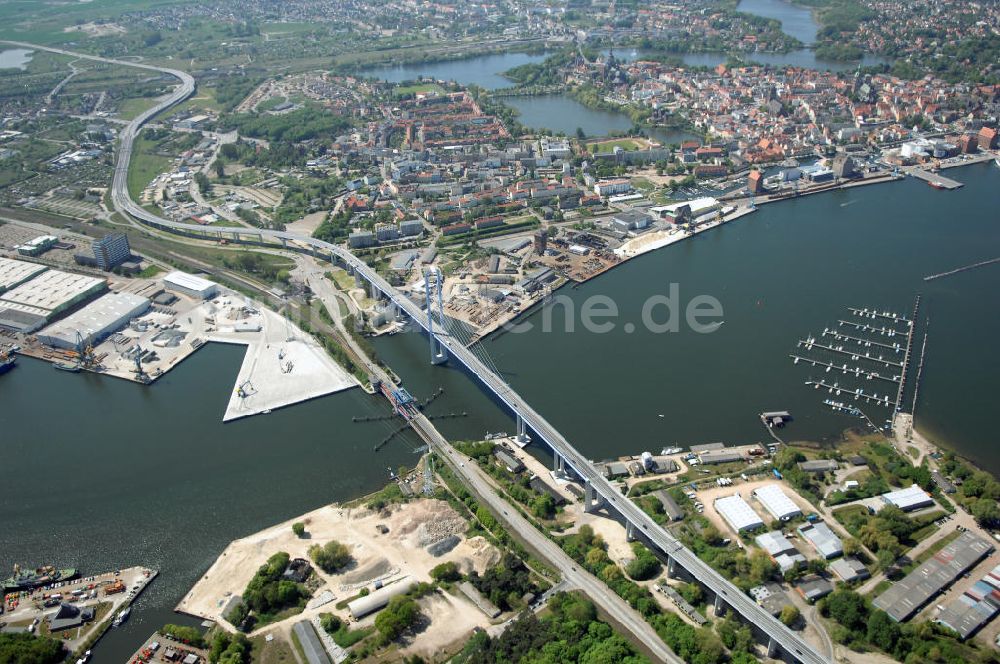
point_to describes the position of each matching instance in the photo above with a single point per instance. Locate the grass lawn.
(150, 271)
(344, 281)
(132, 107)
(346, 637)
(643, 184)
(278, 651)
(145, 166)
(417, 88)
(626, 144)
(271, 103)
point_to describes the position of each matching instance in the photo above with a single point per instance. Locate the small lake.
(15, 58)
(484, 71)
(795, 21)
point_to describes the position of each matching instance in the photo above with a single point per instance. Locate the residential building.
(111, 250)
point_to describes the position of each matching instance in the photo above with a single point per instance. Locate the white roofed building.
(908, 499)
(776, 502)
(738, 513)
(190, 285)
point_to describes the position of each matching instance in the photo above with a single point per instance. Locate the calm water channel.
(101, 473)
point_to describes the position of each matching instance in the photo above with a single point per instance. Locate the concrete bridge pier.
(558, 464)
(284, 242)
(629, 532)
(671, 568)
(720, 605)
(772, 648)
(359, 281)
(591, 499)
(523, 438)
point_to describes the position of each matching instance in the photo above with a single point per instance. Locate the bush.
(230, 649)
(299, 528)
(447, 572)
(400, 613)
(24, 648)
(331, 557)
(190, 635)
(644, 566)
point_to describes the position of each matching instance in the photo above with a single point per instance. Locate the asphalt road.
(790, 642)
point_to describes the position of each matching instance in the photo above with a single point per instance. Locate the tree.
(330, 623)
(447, 571)
(848, 608)
(544, 506)
(789, 614)
(642, 567)
(331, 557)
(883, 631)
(299, 528)
(400, 613)
(24, 648)
(986, 512)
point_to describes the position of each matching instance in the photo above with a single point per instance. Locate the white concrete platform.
(283, 366)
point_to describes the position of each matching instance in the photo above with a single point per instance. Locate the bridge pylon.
(433, 285)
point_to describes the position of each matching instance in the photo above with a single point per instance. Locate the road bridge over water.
(781, 641)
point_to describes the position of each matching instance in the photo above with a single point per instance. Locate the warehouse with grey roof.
(904, 598)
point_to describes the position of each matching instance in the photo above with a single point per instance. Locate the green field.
(130, 108)
(626, 144)
(145, 166)
(418, 88)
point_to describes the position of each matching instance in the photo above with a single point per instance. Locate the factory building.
(14, 273)
(849, 569)
(28, 306)
(738, 514)
(696, 208)
(826, 543)
(776, 502)
(904, 598)
(95, 322)
(630, 220)
(37, 246)
(908, 499)
(781, 550)
(720, 456)
(975, 607)
(376, 600)
(190, 285)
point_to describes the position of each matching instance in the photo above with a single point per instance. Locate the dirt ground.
(307, 224)
(399, 552)
(450, 618)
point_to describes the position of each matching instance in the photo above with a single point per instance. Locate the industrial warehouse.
(738, 513)
(39, 295)
(776, 502)
(95, 322)
(904, 598)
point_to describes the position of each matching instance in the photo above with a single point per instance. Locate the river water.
(102, 473)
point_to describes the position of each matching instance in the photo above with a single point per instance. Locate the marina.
(857, 371)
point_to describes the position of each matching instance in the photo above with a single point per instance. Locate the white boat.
(122, 617)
